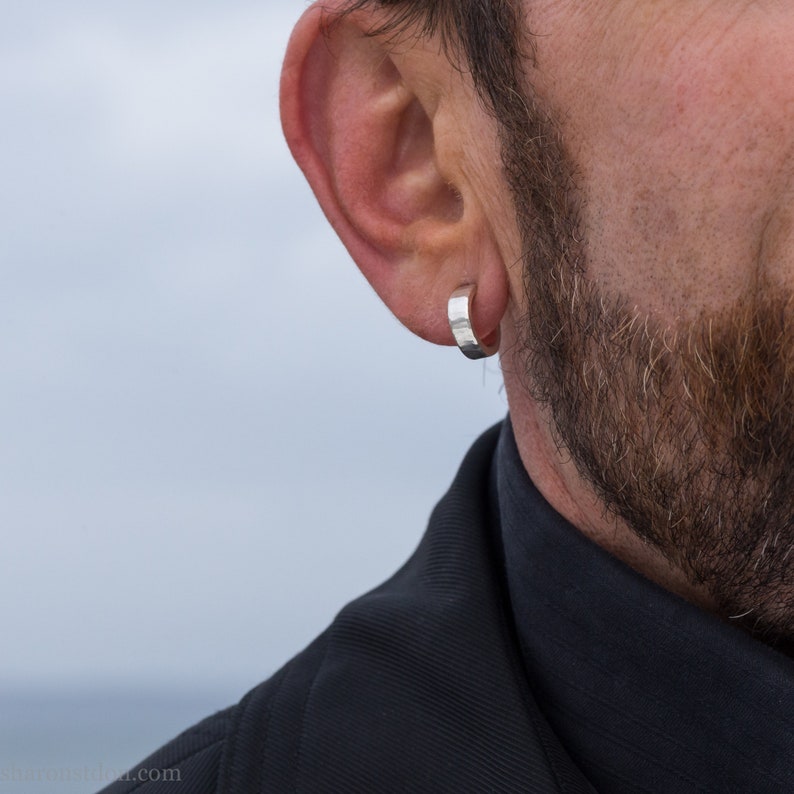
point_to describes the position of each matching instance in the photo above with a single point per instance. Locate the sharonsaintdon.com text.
(86, 774)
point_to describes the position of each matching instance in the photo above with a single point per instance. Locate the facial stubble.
(684, 431)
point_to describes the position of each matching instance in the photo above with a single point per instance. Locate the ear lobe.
(359, 120)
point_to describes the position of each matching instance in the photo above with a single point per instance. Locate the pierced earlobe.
(460, 321)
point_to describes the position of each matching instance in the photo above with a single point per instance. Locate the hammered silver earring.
(460, 314)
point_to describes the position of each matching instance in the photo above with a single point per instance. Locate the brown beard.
(685, 432)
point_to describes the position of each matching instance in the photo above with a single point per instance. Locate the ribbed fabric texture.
(646, 692)
(417, 686)
(189, 763)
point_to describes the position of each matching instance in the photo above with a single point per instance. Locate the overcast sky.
(212, 433)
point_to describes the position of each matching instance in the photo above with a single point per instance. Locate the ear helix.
(460, 321)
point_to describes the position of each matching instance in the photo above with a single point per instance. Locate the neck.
(557, 478)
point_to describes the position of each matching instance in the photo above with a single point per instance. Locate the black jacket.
(417, 686)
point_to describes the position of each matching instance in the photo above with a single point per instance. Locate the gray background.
(212, 434)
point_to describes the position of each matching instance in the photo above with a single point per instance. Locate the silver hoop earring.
(460, 312)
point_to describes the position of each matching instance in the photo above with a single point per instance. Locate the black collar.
(645, 691)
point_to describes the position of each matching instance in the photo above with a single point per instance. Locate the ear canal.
(417, 178)
(381, 152)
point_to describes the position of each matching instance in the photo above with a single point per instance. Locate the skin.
(692, 106)
(677, 119)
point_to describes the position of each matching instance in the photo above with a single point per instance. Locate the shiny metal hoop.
(460, 312)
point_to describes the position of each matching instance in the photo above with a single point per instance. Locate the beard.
(685, 431)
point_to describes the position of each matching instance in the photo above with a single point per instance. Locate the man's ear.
(370, 121)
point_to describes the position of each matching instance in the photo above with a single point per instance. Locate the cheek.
(685, 166)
